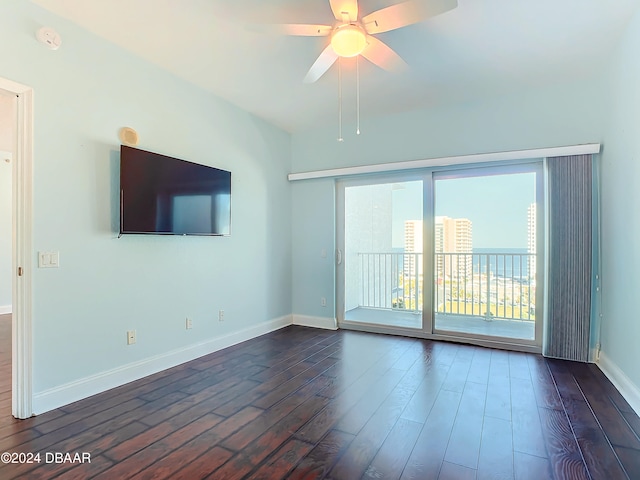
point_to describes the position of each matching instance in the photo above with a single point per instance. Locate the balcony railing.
(490, 285)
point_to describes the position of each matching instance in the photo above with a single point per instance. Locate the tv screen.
(168, 196)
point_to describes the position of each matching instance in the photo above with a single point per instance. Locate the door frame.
(22, 220)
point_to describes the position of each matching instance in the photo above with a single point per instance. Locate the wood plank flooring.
(5, 366)
(301, 403)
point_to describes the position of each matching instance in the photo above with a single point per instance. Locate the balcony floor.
(518, 329)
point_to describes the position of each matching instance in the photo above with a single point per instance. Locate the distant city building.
(531, 240)
(451, 235)
(455, 236)
(368, 215)
(412, 244)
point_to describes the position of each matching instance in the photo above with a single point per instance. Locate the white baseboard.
(4, 309)
(629, 390)
(315, 322)
(85, 387)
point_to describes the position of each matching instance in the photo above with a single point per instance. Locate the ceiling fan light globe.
(348, 41)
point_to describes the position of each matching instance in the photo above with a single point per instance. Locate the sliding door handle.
(338, 256)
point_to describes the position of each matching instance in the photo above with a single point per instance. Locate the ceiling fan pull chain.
(340, 139)
(358, 95)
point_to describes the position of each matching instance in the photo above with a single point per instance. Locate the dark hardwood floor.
(302, 403)
(5, 366)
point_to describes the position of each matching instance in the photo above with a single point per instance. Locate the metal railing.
(390, 280)
(490, 285)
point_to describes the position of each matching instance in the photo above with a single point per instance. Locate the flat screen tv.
(168, 196)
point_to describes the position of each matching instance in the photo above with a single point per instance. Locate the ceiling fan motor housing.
(348, 40)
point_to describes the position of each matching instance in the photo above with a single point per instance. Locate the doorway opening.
(7, 134)
(21, 246)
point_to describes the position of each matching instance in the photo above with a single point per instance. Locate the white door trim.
(21, 328)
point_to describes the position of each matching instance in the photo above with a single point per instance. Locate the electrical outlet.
(323, 302)
(221, 315)
(188, 324)
(131, 337)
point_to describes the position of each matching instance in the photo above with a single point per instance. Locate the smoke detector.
(49, 38)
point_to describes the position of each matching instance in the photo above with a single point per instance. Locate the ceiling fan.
(352, 36)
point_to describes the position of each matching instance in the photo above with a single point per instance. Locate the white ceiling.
(483, 47)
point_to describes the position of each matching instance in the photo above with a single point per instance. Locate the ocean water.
(503, 262)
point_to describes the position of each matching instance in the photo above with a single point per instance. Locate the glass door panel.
(383, 254)
(485, 253)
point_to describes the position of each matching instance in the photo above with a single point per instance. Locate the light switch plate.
(48, 259)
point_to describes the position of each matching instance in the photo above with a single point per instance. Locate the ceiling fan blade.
(321, 65)
(382, 55)
(294, 29)
(406, 13)
(344, 10)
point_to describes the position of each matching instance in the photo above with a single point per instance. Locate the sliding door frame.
(427, 176)
(536, 167)
(341, 186)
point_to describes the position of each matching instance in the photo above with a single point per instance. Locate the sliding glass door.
(453, 253)
(486, 255)
(381, 238)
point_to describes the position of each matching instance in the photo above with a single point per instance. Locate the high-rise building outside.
(531, 241)
(451, 235)
(412, 244)
(454, 236)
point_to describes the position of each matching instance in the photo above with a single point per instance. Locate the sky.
(496, 205)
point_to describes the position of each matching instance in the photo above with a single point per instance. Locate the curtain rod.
(445, 161)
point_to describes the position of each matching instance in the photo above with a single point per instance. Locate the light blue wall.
(620, 206)
(84, 93)
(5, 231)
(314, 275)
(565, 114)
